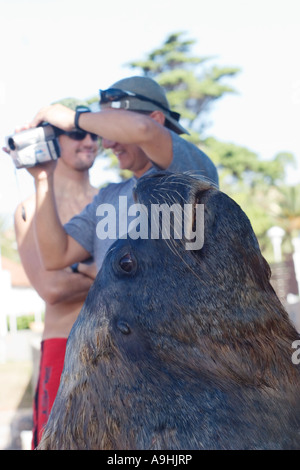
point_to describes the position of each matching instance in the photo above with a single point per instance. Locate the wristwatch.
(80, 110)
(74, 268)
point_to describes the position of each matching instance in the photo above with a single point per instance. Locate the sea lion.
(177, 348)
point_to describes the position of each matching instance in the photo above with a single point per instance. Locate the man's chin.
(123, 164)
(85, 163)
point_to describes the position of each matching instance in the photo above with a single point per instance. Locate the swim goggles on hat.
(115, 95)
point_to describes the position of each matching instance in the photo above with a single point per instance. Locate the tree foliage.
(239, 163)
(8, 247)
(191, 83)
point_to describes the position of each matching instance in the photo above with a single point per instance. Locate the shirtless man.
(63, 291)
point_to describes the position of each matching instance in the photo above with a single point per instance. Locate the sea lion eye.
(127, 263)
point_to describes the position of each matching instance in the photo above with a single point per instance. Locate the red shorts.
(51, 366)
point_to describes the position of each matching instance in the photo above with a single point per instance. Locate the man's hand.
(89, 270)
(57, 115)
(42, 171)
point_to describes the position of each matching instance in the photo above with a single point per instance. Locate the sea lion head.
(173, 337)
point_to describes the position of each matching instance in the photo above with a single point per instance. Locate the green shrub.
(23, 322)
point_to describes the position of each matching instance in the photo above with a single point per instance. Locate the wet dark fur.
(189, 350)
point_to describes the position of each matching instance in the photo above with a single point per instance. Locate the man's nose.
(108, 144)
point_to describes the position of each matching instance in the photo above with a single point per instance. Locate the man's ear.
(158, 116)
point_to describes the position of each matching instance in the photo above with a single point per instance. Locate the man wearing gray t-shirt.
(136, 122)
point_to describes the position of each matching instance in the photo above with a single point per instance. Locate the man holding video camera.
(136, 122)
(63, 290)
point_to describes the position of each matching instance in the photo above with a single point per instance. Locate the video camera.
(33, 146)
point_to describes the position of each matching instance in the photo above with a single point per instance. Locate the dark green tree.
(239, 163)
(192, 83)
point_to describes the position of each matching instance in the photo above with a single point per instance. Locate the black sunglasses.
(115, 94)
(80, 135)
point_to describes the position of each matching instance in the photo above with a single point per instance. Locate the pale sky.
(51, 49)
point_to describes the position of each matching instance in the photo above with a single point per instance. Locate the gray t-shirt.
(83, 227)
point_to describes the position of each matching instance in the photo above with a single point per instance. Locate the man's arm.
(52, 286)
(126, 127)
(57, 249)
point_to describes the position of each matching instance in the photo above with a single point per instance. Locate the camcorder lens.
(11, 143)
